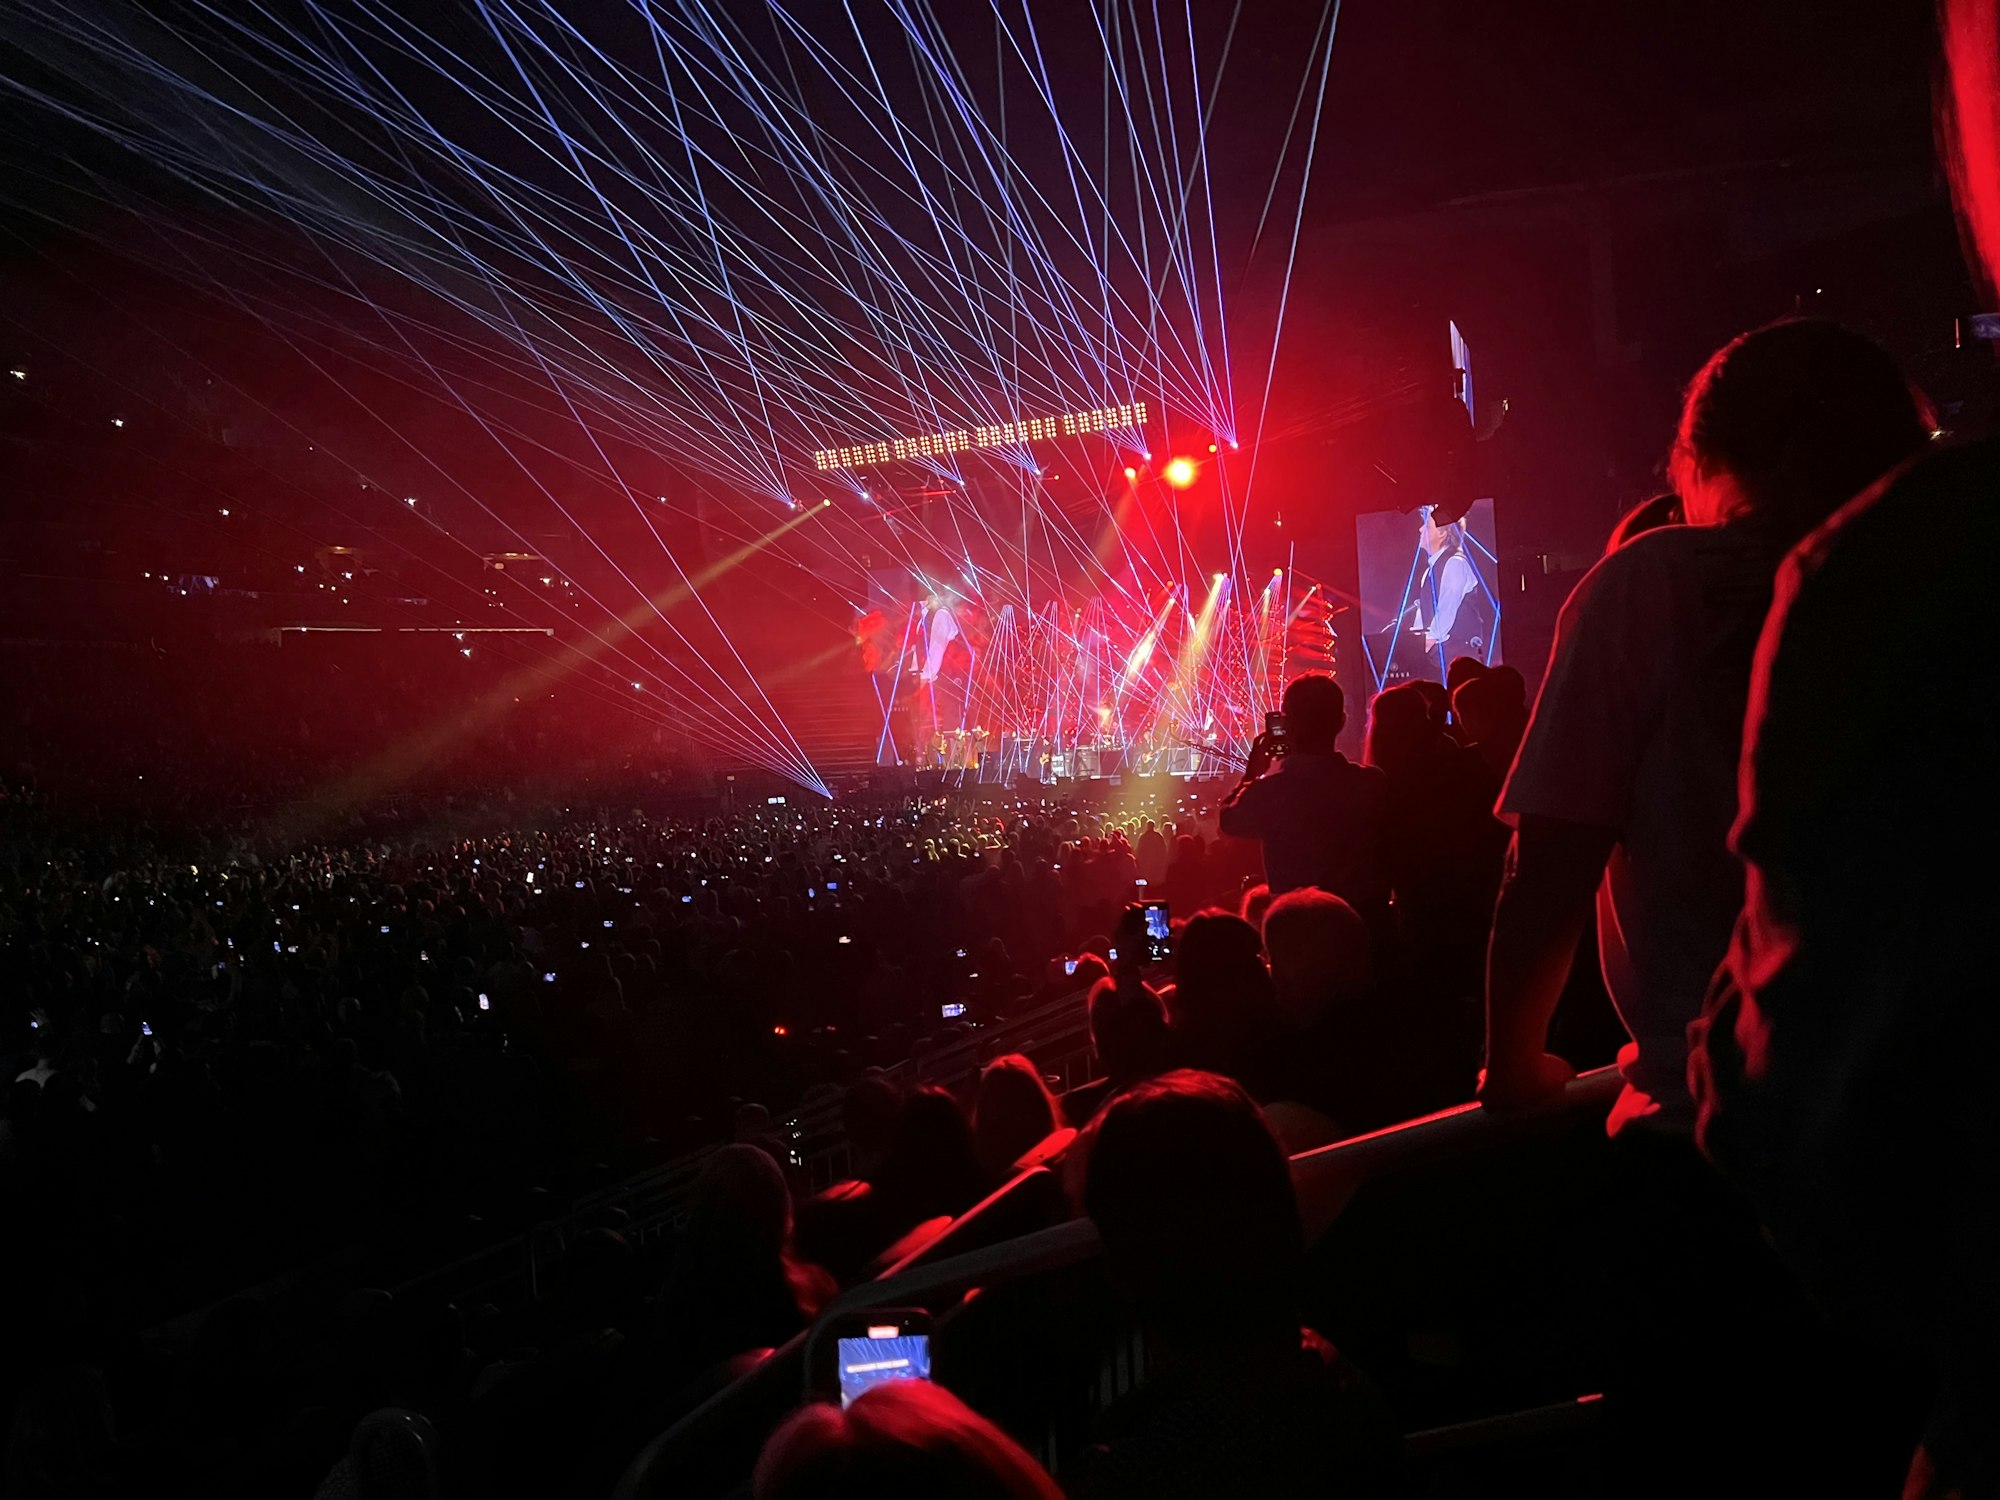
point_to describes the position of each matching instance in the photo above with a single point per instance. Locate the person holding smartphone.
(1320, 818)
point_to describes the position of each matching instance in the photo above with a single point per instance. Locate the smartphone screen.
(1274, 731)
(1069, 966)
(1159, 932)
(885, 1353)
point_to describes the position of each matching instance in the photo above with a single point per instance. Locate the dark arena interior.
(998, 748)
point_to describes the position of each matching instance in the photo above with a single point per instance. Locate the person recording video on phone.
(1320, 818)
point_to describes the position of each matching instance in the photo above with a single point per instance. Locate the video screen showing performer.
(1427, 592)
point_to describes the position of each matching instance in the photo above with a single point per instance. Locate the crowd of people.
(231, 1055)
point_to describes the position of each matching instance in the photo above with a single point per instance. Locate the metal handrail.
(1326, 1178)
(510, 1263)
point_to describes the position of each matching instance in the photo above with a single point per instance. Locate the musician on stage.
(1452, 618)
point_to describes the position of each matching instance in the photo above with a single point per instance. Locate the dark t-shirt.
(1843, 1070)
(1321, 819)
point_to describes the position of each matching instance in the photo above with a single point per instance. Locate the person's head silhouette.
(1315, 712)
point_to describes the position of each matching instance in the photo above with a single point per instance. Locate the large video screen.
(1429, 593)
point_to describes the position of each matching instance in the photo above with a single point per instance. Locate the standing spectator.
(1320, 818)
(1444, 844)
(1625, 786)
(1625, 783)
(1843, 1068)
(1492, 714)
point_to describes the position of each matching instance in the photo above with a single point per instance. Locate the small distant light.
(548, 583)
(298, 567)
(1234, 445)
(1211, 447)
(1130, 472)
(1179, 472)
(146, 575)
(409, 499)
(638, 687)
(18, 374)
(348, 576)
(225, 510)
(781, 1031)
(458, 635)
(117, 421)
(462, 650)
(824, 504)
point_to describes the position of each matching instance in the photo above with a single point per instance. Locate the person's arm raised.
(1233, 817)
(1553, 867)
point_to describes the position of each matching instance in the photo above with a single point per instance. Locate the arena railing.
(720, 1438)
(1055, 1035)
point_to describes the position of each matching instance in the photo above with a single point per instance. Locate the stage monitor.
(1429, 593)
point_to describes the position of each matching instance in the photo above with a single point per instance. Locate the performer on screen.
(1452, 613)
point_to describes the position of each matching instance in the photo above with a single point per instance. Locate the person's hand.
(1261, 756)
(1536, 1079)
(1128, 941)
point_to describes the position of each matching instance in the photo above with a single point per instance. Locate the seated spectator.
(1222, 1009)
(737, 1283)
(903, 1438)
(929, 1170)
(1321, 955)
(1256, 901)
(1194, 1201)
(869, 1111)
(1129, 1034)
(1013, 1113)
(1363, 1056)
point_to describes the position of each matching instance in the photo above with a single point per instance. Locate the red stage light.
(1179, 472)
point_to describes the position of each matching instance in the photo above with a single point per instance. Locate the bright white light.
(638, 687)
(1000, 435)
(462, 650)
(225, 510)
(117, 421)
(18, 374)
(409, 499)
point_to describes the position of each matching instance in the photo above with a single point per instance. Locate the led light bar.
(1005, 435)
